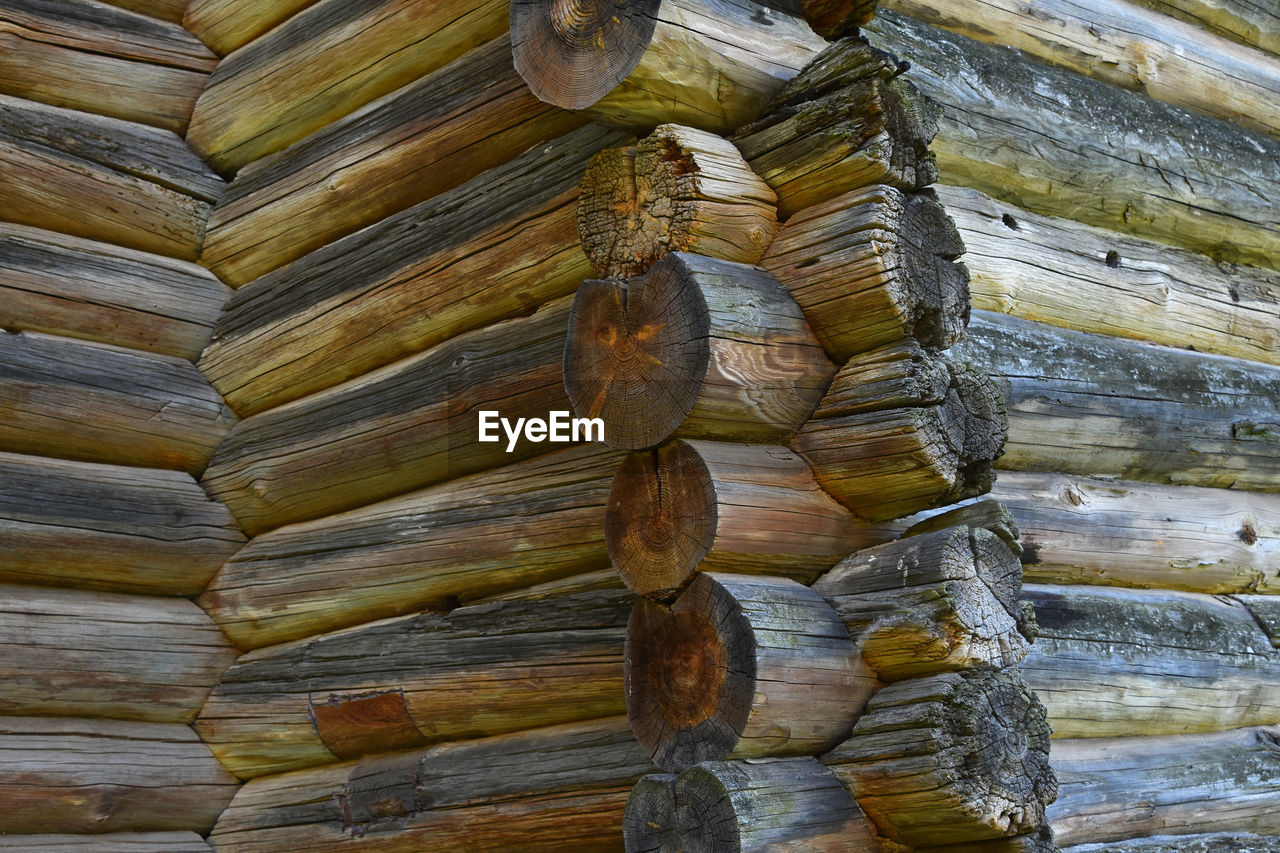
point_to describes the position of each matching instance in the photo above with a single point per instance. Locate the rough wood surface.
(225, 25)
(593, 581)
(324, 63)
(1060, 144)
(1040, 841)
(787, 805)
(873, 266)
(94, 776)
(496, 247)
(1247, 21)
(103, 178)
(677, 190)
(427, 138)
(1267, 611)
(832, 19)
(1112, 789)
(934, 602)
(165, 10)
(901, 430)
(695, 347)
(986, 514)
(1062, 272)
(741, 667)
(92, 403)
(1100, 406)
(115, 842)
(89, 56)
(1227, 842)
(64, 285)
(950, 758)
(526, 523)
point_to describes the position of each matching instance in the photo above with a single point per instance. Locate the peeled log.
(741, 667)
(678, 190)
(710, 64)
(1040, 841)
(1227, 842)
(784, 805)
(691, 506)
(1266, 609)
(225, 25)
(1245, 21)
(950, 758)
(873, 266)
(114, 842)
(695, 347)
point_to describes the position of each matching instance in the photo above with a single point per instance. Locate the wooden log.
(1112, 789)
(833, 19)
(64, 285)
(76, 653)
(1060, 272)
(696, 347)
(1225, 842)
(985, 514)
(165, 10)
(95, 776)
(1267, 611)
(529, 522)
(1254, 24)
(950, 758)
(741, 667)
(543, 790)
(1061, 144)
(89, 56)
(86, 402)
(710, 64)
(847, 121)
(494, 248)
(677, 190)
(691, 506)
(109, 527)
(873, 266)
(901, 430)
(114, 842)
(425, 139)
(593, 581)
(226, 25)
(103, 178)
(755, 806)
(400, 683)
(1104, 407)
(1117, 662)
(934, 602)
(1040, 841)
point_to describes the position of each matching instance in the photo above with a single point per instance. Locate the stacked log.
(225, 25)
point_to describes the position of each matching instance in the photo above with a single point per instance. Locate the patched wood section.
(225, 25)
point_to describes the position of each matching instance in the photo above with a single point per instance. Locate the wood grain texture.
(165, 10)
(89, 56)
(226, 25)
(496, 247)
(1039, 841)
(833, 19)
(1223, 842)
(92, 403)
(114, 842)
(64, 285)
(1266, 610)
(526, 523)
(95, 776)
(1247, 21)
(103, 178)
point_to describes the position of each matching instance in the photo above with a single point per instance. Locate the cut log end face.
(939, 286)
(666, 814)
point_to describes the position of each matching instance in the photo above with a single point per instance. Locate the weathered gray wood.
(103, 178)
(499, 245)
(1246, 21)
(64, 285)
(225, 25)
(526, 523)
(1266, 610)
(74, 776)
(986, 514)
(593, 581)
(1112, 789)
(114, 842)
(92, 403)
(1100, 406)
(1226, 842)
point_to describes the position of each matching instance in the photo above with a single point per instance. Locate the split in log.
(427, 138)
(324, 63)
(594, 581)
(696, 347)
(1061, 272)
(165, 10)
(401, 683)
(783, 805)
(1266, 609)
(542, 791)
(89, 56)
(1245, 21)
(1040, 841)
(741, 667)
(901, 430)
(692, 506)
(678, 190)
(115, 842)
(63, 285)
(873, 266)
(103, 178)
(1112, 789)
(1104, 407)
(1061, 144)
(710, 64)
(1233, 842)
(987, 514)
(94, 776)
(950, 758)
(226, 25)
(92, 403)
(1114, 662)
(76, 653)
(496, 247)
(932, 603)
(847, 121)
(531, 522)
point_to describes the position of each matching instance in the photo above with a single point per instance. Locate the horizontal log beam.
(165, 10)
(1267, 611)
(116, 842)
(1245, 21)
(1040, 841)
(1225, 842)
(226, 25)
